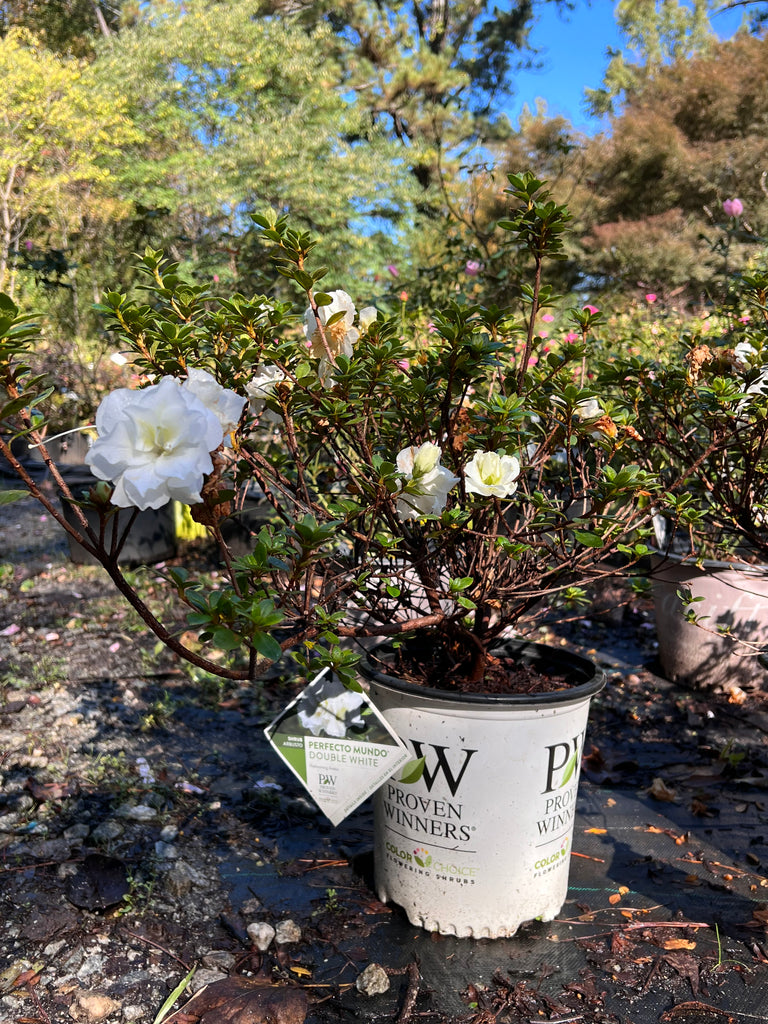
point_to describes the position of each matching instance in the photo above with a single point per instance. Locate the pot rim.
(689, 561)
(594, 683)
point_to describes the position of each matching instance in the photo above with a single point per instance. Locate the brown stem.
(531, 326)
(392, 628)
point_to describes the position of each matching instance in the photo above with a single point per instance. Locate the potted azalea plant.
(427, 487)
(703, 408)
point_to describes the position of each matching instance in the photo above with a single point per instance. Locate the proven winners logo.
(558, 805)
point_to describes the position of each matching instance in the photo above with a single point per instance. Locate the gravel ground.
(140, 810)
(146, 829)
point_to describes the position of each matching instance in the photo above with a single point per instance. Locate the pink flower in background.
(28, 245)
(547, 318)
(745, 319)
(393, 270)
(733, 208)
(403, 364)
(431, 329)
(543, 334)
(591, 309)
(403, 296)
(571, 336)
(472, 268)
(651, 297)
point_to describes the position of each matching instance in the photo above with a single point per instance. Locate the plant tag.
(338, 745)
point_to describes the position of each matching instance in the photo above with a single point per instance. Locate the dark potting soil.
(446, 665)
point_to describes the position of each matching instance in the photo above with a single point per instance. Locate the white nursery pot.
(482, 842)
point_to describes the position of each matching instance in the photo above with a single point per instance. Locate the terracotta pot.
(734, 597)
(482, 842)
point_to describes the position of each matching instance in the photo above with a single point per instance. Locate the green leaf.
(6, 497)
(589, 540)
(226, 639)
(460, 584)
(7, 306)
(165, 1009)
(267, 646)
(570, 768)
(412, 771)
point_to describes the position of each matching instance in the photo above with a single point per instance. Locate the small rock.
(373, 981)
(136, 812)
(301, 805)
(168, 834)
(218, 959)
(182, 879)
(286, 932)
(92, 966)
(166, 850)
(75, 832)
(91, 1007)
(205, 976)
(251, 906)
(133, 1012)
(261, 934)
(107, 831)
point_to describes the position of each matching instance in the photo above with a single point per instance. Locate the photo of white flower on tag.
(338, 745)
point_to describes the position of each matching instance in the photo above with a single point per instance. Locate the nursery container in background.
(734, 597)
(151, 538)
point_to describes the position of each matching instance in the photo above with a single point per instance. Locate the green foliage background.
(378, 126)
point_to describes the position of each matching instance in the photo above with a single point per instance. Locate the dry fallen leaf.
(659, 790)
(735, 694)
(595, 831)
(679, 944)
(239, 1000)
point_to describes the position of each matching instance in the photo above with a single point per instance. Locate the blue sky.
(573, 53)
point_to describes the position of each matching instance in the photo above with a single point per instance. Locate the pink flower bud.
(403, 296)
(591, 309)
(547, 318)
(650, 297)
(733, 208)
(393, 270)
(472, 268)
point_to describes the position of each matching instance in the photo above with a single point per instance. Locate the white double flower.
(340, 337)
(425, 488)
(492, 474)
(155, 444)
